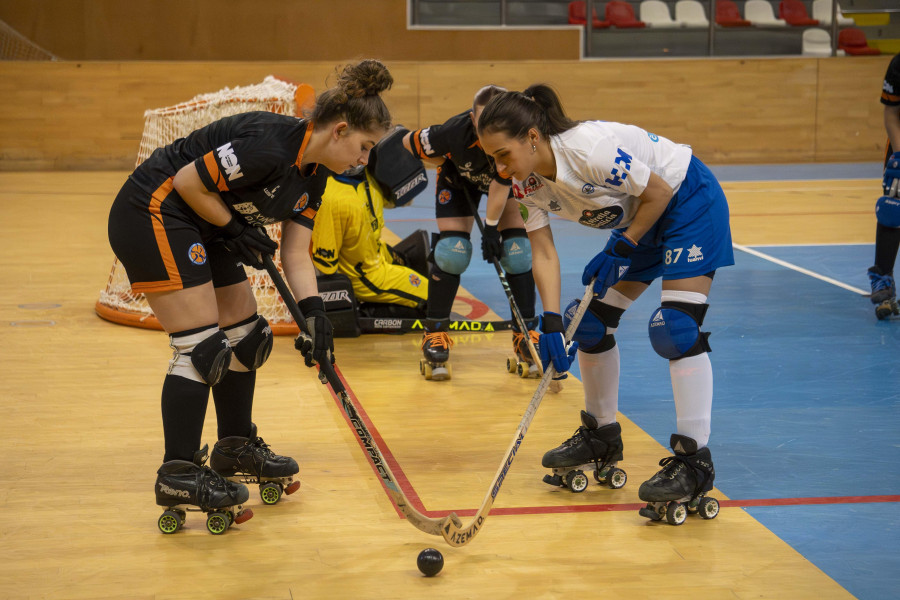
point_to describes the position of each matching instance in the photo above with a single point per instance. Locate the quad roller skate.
(593, 448)
(522, 363)
(884, 293)
(436, 344)
(183, 486)
(249, 460)
(680, 487)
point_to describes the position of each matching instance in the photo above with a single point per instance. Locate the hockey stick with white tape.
(328, 375)
(452, 529)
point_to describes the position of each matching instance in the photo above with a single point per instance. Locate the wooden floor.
(80, 397)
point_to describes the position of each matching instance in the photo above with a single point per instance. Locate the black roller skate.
(436, 344)
(591, 448)
(183, 486)
(884, 293)
(249, 460)
(680, 486)
(522, 363)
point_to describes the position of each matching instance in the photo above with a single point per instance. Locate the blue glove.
(891, 183)
(609, 266)
(552, 344)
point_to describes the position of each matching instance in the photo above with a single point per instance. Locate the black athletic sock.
(184, 404)
(442, 288)
(522, 287)
(887, 241)
(233, 397)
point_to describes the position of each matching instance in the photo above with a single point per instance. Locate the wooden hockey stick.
(327, 375)
(453, 531)
(514, 307)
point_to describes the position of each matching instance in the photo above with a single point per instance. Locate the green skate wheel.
(217, 523)
(708, 508)
(577, 481)
(676, 513)
(270, 493)
(169, 522)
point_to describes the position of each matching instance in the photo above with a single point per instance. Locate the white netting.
(164, 125)
(15, 46)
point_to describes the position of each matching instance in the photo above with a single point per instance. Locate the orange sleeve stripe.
(162, 239)
(309, 213)
(890, 97)
(213, 167)
(418, 143)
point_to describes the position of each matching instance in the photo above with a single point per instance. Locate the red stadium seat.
(853, 41)
(794, 12)
(728, 15)
(621, 14)
(577, 16)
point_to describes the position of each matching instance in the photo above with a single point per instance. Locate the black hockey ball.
(430, 562)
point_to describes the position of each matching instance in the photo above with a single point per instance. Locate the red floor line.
(404, 484)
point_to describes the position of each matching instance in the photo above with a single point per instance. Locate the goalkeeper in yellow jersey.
(387, 282)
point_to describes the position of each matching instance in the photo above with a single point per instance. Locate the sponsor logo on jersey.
(653, 137)
(587, 189)
(426, 144)
(554, 206)
(620, 173)
(529, 186)
(301, 203)
(252, 214)
(335, 296)
(229, 160)
(271, 193)
(325, 252)
(888, 87)
(602, 218)
(694, 254)
(197, 254)
(444, 196)
(414, 280)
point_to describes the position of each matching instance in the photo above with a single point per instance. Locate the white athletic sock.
(692, 384)
(600, 376)
(600, 372)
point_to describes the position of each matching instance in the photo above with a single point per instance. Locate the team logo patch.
(197, 254)
(301, 203)
(653, 137)
(554, 206)
(602, 218)
(445, 196)
(587, 189)
(414, 280)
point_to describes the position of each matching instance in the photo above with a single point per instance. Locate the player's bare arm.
(209, 205)
(296, 261)
(545, 266)
(892, 125)
(654, 200)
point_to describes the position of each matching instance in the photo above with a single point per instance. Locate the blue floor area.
(807, 392)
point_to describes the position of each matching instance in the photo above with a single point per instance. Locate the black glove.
(248, 243)
(319, 344)
(491, 244)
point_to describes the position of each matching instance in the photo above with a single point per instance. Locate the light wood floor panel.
(80, 400)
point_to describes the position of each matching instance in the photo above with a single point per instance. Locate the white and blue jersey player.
(669, 218)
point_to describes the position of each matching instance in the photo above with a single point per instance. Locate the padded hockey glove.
(891, 183)
(552, 344)
(318, 345)
(609, 267)
(491, 244)
(248, 243)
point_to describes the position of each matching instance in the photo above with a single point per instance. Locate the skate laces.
(437, 338)
(881, 282)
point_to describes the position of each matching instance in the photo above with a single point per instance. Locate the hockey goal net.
(117, 302)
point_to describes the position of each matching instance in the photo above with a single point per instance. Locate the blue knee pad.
(675, 330)
(591, 334)
(887, 211)
(453, 252)
(516, 252)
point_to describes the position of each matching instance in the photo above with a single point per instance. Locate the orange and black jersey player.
(465, 164)
(890, 98)
(251, 160)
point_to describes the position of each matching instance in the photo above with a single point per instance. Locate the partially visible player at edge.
(464, 170)
(887, 208)
(183, 224)
(670, 219)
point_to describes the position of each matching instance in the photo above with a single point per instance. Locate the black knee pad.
(591, 334)
(211, 357)
(254, 348)
(675, 330)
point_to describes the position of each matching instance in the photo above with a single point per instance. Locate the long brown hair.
(356, 98)
(514, 113)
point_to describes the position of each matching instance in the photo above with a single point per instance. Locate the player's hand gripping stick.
(610, 266)
(248, 243)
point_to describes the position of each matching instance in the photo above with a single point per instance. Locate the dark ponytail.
(356, 97)
(514, 113)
